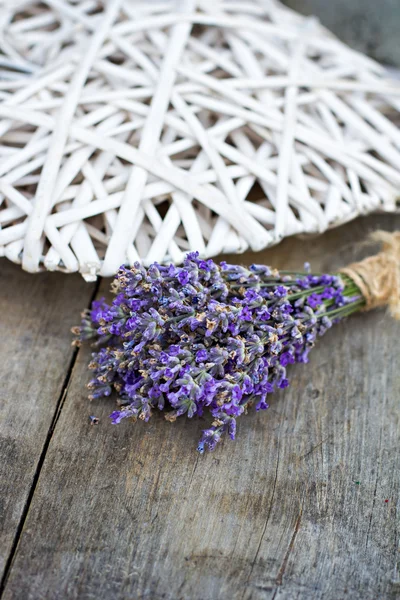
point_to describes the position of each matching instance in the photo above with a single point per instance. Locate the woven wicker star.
(139, 131)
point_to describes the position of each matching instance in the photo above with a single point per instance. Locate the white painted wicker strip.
(141, 130)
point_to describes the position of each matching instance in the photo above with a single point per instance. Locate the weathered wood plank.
(295, 508)
(35, 349)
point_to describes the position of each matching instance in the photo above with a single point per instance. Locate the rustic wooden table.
(302, 505)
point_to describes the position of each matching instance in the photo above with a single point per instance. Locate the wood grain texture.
(302, 506)
(36, 353)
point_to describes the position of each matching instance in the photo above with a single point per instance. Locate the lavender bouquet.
(216, 340)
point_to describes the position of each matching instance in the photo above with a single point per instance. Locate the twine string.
(378, 277)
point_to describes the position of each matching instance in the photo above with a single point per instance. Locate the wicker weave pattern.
(130, 131)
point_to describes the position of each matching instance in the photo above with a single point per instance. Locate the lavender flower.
(207, 339)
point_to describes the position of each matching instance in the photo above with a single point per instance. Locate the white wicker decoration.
(139, 130)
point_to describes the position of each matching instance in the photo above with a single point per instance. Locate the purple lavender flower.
(207, 339)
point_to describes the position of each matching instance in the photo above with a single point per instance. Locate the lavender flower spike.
(208, 339)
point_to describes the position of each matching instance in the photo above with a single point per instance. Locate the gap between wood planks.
(42, 456)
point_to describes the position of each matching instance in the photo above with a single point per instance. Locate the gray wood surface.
(301, 505)
(36, 314)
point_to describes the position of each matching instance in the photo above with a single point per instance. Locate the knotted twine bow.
(378, 277)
